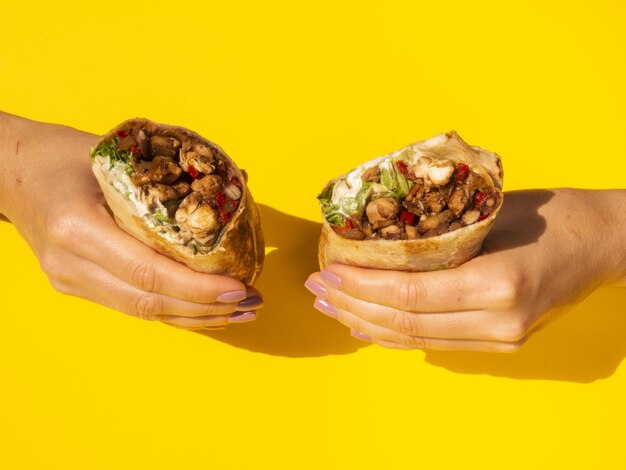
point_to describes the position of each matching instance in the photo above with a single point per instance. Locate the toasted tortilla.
(448, 250)
(239, 251)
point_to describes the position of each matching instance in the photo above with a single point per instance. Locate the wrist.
(610, 236)
(621, 233)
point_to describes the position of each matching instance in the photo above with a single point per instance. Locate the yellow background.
(297, 92)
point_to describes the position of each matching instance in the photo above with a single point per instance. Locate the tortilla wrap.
(447, 250)
(236, 251)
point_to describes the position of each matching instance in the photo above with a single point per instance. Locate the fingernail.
(325, 307)
(251, 303)
(315, 288)
(232, 296)
(242, 317)
(358, 335)
(331, 278)
(214, 328)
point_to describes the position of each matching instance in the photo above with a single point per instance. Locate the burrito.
(425, 207)
(182, 195)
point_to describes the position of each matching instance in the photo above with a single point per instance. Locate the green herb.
(109, 149)
(163, 218)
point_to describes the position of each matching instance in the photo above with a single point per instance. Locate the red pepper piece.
(224, 217)
(342, 229)
(135, 150)
(220, 199)
(462, 171)
(193, 172)
(408, 218)
(235, 181)
(407, 171)
(121, 133)
(479, 198)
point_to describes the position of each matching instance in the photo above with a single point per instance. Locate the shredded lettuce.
(347, 206)
(392, 184)
(395, 181)
(109, 149)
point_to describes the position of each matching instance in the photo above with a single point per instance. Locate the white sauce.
(124, 185)
(350, 185)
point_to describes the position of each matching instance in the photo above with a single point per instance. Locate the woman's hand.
(47, 190)
(546, 250)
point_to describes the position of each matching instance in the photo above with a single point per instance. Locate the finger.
(472, 324)
(200, 323)
(94, 283)
(468, 287)
(368, 339)
(366, 331)
(97, 238)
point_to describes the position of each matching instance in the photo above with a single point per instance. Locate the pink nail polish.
(251, 303)
(325, 307)
(317, 289)
(362, 336)
(232, 296)
(331, 278)
(242, 317)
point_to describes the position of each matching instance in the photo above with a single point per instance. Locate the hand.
(547, 249)
(47, 190)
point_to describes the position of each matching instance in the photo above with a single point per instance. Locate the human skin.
(547, 250)
(49, 193)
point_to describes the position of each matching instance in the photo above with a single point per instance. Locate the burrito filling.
(405, 198)
(179, 185)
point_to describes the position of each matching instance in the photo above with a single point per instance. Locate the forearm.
(613, 232)
(30, 150)
(593, 225)
(11, 132)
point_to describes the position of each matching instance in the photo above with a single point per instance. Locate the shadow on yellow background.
(586, 344)
(289, 325)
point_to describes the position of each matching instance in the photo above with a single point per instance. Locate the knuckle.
(405, 323)
(52, 265)
(147, 306)
(510, 347)
(407, 293)
(512, 289)
(512, 330)
(49, 264)
(143, 275)
(415, 342)
(63, 230)
(60, 286)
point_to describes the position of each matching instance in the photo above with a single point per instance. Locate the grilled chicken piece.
(159, 170)
(435, 201)
(197, 218)
(458, 201)
(151, 193)
(208, 186)
(143, 145)
(166, 146)
(382, 212)
(198, 156)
